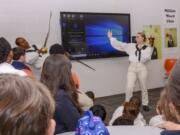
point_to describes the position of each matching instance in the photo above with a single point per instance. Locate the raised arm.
(117, 44)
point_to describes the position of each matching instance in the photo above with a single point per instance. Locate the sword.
(79, 61)
(49, 28)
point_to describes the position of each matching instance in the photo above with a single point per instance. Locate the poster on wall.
(169, 18)
(170, 30)
(170, 37)
(153, 34)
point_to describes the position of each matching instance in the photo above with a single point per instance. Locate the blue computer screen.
(84, 35)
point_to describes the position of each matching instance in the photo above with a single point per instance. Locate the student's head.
(174, 89)
(99, 110)
(27, 107)
(136, 101)
(56, 49)
(56, 75)
(91, 95)
(21, 42)
(131, 110)
(19, 54)
(140, 38)
(130, 113)
(123, 120)
(5, 51)
(164, 104)
(173, 92)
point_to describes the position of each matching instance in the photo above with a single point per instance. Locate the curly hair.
(5, 49)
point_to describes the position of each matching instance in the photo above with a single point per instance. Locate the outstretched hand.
(42, 51)
(109, 34)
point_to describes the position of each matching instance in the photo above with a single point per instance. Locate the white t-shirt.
(6, 68)
(139, 121)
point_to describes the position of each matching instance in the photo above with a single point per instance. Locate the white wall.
(30, 19)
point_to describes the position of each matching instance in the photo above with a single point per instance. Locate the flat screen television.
(84, 35)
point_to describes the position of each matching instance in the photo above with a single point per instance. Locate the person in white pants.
(139, 54)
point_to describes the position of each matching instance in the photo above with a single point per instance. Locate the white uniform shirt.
(130, 49)
(139, 121)
(33, 59)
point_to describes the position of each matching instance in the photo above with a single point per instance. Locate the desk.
(129, 130)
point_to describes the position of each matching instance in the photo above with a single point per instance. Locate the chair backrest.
(168, 65)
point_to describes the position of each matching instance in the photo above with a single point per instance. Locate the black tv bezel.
(95, 13)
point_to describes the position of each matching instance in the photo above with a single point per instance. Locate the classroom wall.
(30, 19)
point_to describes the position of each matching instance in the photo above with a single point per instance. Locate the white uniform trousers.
(136, 71)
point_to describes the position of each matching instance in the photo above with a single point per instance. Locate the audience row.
(29, 106)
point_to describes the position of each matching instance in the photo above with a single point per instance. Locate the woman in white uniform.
(139, 54)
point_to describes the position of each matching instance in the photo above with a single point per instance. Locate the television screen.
(84, 35)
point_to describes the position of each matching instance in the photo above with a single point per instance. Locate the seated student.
(171, 123)
(99, 110)
(171, 106)
(19, 60)
(27, 107)
(139, 121)
(59, 49)
(6, 56)
(130, 113)
(83, 99)
(56, 75)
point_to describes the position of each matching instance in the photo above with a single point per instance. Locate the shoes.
(146, 108)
